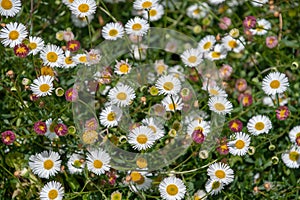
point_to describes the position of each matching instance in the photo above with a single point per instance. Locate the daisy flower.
(83, 8)
(191, 57)
(81, 58)
(220, 172)
(98, 161)
(235, 125)
(261, 28)
(294, 134)
(144, 4)
(21, 50)
(36, 44)
(122, 95)
(52, 191)
(155, 126)
(232, 44)
(220, 105)
(122, 67)
(42, 86)
(259, 124)
(160, 67)
(155, 13)
(8, 137)
(206, 43)
(143, 184)
(52, 55)
(216, 91)
(116, 195)
(200, 195)
(275, 83)
(168, 85)
(137, 26)
(172, 188)
(50, 129)
(218, 53)
(198, 125)
(291, 158)
(81, 22)
(172, 103)
(13, 34)
(112, 31)
(110, 116)
(45, 164)
(214, 187)
(141, 138)
(239, 144)
(9, 8)
(197, 11)
(68, 61)
(75, 164)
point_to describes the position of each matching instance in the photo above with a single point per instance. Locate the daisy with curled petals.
(10, 8)
(191, 57)
(141, 138)
(259, 124)
(168, 85)
(137, 26)
(157, 127)
(220, 172)
(207, 43)
(291, 158)
(219, 52)
(13, 34)
(83, 8)
(220, 105)
(261, 28)
(198, 125)
(216, 91)
(122, 95)
(294, 135)
(112, 31)
(144, 4)
(110, 116)
(172, 103)
(98, 161)
(42, 86)
(36, 44)
(172, 188)
(45, 164)
(122, 67)
(52, 55)
(155, 13)
(275, 83)
(239, 144)
(75, 164)
(52, 191)
(214, 187)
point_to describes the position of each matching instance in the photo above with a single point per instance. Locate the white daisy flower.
(98, 161)
(122, 67)
(50, 130)
(215, 2)
(155, 126)
(156, 13)
(110, 116)
(177, 71)
(220, 105)
(216, 91)
(140, 181)
(45, 164)
(83, 8)
(198, 124)
(172, 188)
(172, 103)
(122, 95)
(219, 52)
(291, 158)
(275, 83)
(207, 43)
(42, 86)
(68, 2)
(13, 34)
(52, 55)
(52, 191)
(112, 31)
(168, 85)
(141, 138)
(262, 27)
(160, 67)
(36, 44)
(81, 22)
(75, 164)
(220, 172)
(214, 187)
(258, 3)
(200, 195)
(232, 44)
(81, 58)
(68, 61)
(239, 144)
(259, 124)
(144, 4)
(137, 26)
(191, 57)
(294, 134)
(9, 8)
(197, 11)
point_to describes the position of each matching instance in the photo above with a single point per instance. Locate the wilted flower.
(225, 71)
(40, 127)
(71, 94)
(249, 22)
(198, 136)
(225, 22)
(282, 112)
(61, 129)
(241, 85)
(245, 99)
(235, 125)
(91, 124)
(223, 147)
(271, 41)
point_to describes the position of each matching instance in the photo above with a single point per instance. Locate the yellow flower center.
(141, 163)
(282, 113)
(259, 126)
(147, 4)
(168, 86)
(199, 128)
(160, 69)
(220, 174)
(41, 127)
(135, 176)
(142, 139)
(48, 164)
(213, 92)
(44, 87)
(141, 181)
(245, 100)
(136, 27)
(153, 12)
(13, 35)
(172, 106)
(172, 189)
(53, 194)
(82, 59)
(124, 68)
(298, 135)
(219, 106)
(121, 96)
(73, 46)
(77, 163)
(207, 45)
(113, 32)
(259, 28)
(89, 136)
(116, 196)
(216, 185)
(6, 4)
(294, 156)
(275, 84)
(232, 44)
(83, 7)
(152, 128)
(111, 116)
(98, 164)
(32, 45)
(7, 138)
(235, 125)
(215, 54)
(196, 11)
(239, 144)
(68, 60)
(52, 57)
(21, 50)
(192, 59)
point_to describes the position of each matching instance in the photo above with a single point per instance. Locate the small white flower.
(172, 188)
(192, 57)
(172, 103)
(52, 55)
(9, 8)
(168, 85)
(239, 144)
(52, 191)
(42, 86)
(13, 34)
(83, 8)
(220, 105)
(259, 124)
(262, 27)
(141, 138)
(112, 31)
(137, 26)
(98, 161)
(291, 158)
(220, 172)
(122, 95)
(275, 83)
